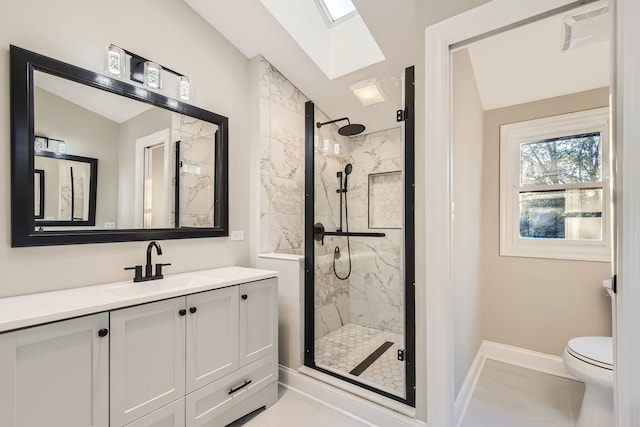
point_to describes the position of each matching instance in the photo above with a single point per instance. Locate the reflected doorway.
(152, 189)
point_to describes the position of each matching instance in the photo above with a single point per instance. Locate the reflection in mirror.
(163, 163)
(38, 193)
(137, 145)
(65, 193)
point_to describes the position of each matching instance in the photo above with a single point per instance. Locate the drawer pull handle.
(246, 383)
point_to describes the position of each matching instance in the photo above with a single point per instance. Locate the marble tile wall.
(281, 163)
(331, 293)
(197, 152)
(375, 287)
(372, 295)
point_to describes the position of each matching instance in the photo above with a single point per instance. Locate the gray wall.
(534, 303)
(467, 196)
(151, 121)
(77, 32)
(85, 134)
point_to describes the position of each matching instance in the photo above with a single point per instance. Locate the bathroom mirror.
(65, 189)
(163, 163)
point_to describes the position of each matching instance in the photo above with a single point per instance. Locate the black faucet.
(148, 270)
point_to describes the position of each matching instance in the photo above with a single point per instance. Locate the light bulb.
(152, 75)
(184, 88)
(115, 61)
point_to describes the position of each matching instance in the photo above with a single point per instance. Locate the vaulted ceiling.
(520, 66)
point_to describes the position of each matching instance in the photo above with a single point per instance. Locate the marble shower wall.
(281, 163)
(372, 295)
(197, 175)
(376, 283)
(331, 294)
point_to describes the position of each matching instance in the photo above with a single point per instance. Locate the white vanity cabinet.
(147, 358)
(208, 351)
(258, 320)
(56, 375)
(191, 350)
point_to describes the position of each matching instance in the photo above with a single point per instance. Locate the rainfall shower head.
(350, 129)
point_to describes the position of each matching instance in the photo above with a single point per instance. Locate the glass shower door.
(358, 317)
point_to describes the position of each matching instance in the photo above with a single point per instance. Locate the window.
(554, 187)
(335, 10)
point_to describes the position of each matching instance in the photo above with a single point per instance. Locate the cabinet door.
(171, 415)
(258, 320)
(147, 358)
(56, 375)
(212, 336)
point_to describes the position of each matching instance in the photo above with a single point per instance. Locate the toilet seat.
(597, 351)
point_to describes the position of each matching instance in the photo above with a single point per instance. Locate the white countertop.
(29, 310)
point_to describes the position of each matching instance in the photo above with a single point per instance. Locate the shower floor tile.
(345, 348)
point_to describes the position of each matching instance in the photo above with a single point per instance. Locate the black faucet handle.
(138, 272)
(159, 269)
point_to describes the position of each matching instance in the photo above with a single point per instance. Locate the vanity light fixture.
(145, 71)
(368, 92)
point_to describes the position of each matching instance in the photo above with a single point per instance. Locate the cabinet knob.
(192, 310)
(103, 333)
(182, 312)
(245, 296)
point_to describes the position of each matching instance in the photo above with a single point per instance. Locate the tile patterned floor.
(508, 396)
(343, 349)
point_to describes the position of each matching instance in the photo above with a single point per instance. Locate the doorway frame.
(494, 16)
(147, 141)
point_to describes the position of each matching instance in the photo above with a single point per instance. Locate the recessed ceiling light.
(368, 92)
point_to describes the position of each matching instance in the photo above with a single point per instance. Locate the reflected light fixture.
(368, 92)
(144, 71)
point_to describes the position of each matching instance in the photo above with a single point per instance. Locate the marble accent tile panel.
(332, 316)
(286, 195)
(377, 146)
(385, 200)
(287, 125)
(264, 233)
(285, 233)
(286, 160)
(284, 93)
(508, 395)
(281, 162)
(375, 314)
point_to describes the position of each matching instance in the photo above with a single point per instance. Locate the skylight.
(335, 10)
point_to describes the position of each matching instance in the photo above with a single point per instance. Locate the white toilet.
(590, 359)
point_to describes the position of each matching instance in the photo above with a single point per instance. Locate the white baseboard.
(517, 356)
(359, 408)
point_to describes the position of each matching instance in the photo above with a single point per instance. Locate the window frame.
(511, 137)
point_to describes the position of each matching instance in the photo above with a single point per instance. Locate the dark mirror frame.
(23, 224)
(93, 185)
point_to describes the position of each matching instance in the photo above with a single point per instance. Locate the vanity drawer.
(171, 415)
(205, 404)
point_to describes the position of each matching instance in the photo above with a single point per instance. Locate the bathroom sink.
(160, 286)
